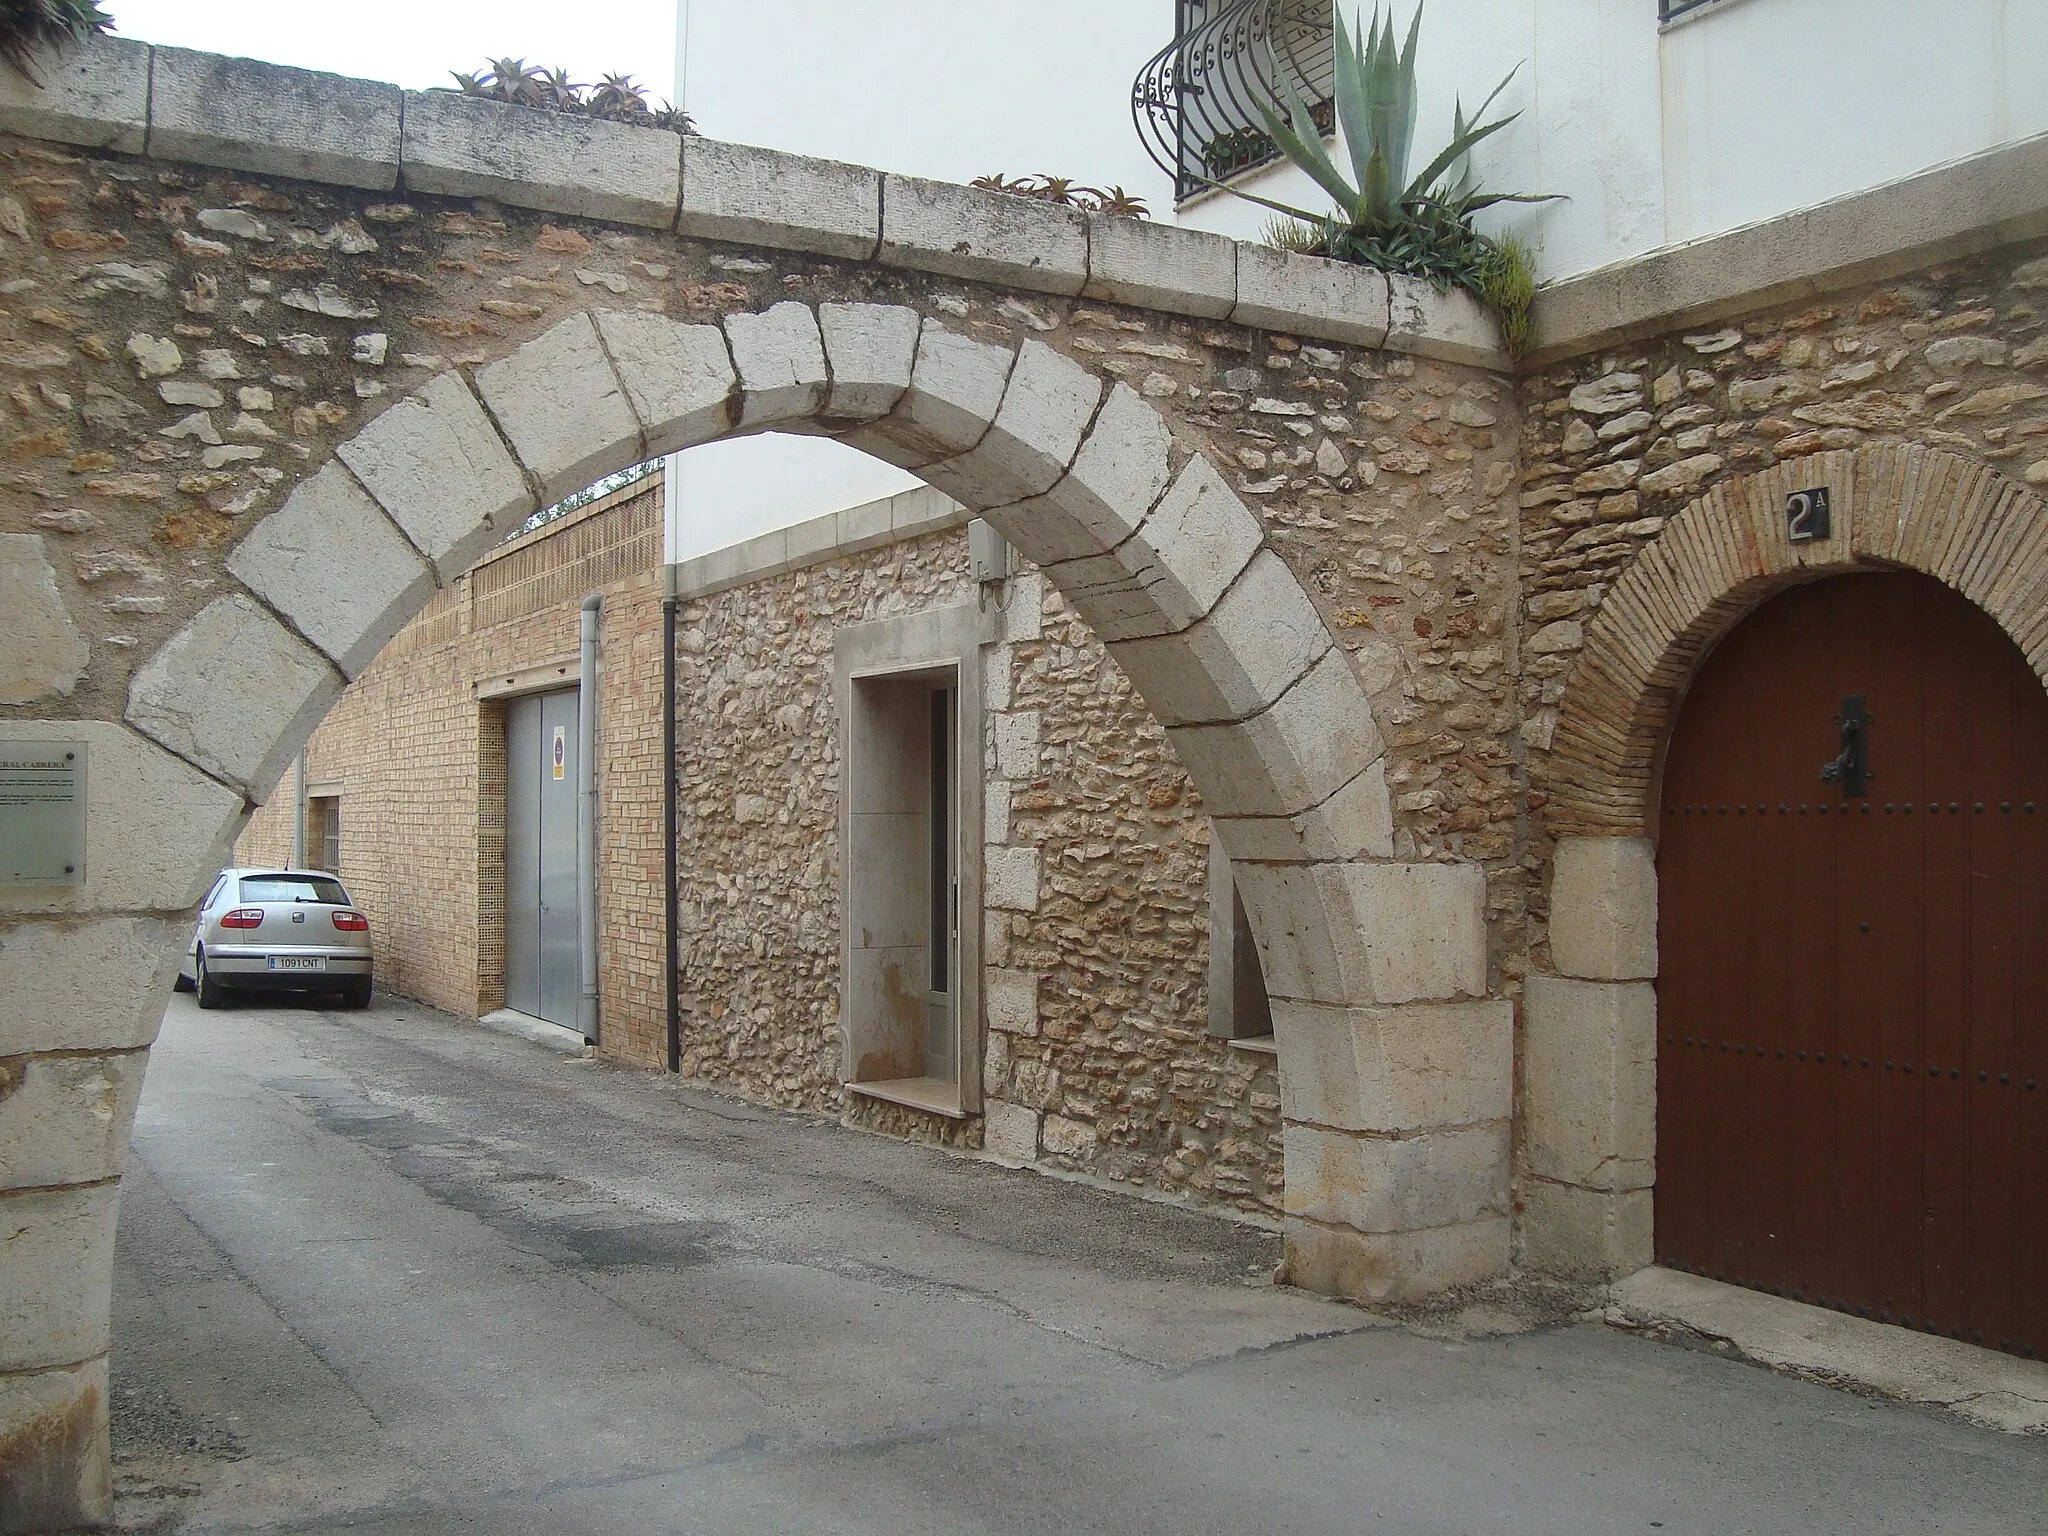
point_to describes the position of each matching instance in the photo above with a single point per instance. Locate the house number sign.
(42, 813)
(1807, 516)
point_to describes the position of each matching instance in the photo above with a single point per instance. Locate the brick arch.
(1953, 518)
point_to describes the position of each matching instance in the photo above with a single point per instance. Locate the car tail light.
(243, 917)
(351, 922)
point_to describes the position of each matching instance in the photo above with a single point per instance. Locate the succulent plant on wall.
(1066, 193)
(613, 99)
(30, 26)
(1384, 217)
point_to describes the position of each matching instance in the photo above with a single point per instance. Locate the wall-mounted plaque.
(1808, 516)
(42, 813)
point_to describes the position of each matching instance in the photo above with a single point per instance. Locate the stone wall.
(1098, 1059)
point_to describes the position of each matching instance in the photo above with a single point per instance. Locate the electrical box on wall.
(988, 557)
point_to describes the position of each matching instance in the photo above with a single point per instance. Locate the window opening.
(1239, 1009)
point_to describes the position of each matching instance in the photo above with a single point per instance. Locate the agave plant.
(1384, 217)
(29, 26)
(1376, 102)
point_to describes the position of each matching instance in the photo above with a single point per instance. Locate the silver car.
(288, 929)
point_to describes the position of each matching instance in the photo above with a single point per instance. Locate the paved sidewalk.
(392, 1273)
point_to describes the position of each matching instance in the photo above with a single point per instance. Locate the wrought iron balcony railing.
(1196, 104)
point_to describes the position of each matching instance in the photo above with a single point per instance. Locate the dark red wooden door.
(1852, 1085)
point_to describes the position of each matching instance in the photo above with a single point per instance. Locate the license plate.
(298, 962)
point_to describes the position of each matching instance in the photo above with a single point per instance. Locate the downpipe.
(671, 942)
(586, 815)
(299, 814)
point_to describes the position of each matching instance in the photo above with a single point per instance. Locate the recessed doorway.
(540, 856)
(911, 814)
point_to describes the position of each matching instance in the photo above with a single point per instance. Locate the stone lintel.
(96, 96)
(463, 146)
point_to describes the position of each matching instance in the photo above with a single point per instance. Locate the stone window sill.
(935, 1096)
(1258, 1045)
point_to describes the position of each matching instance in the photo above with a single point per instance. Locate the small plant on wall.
(613, 99)
(1420, 225)
(31, 26)
(1067, 194)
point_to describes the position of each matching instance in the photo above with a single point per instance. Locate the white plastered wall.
(1739, 112)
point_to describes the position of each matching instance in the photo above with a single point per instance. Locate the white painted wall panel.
(1771, 105)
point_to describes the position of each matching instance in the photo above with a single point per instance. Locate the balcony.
(1196, 104)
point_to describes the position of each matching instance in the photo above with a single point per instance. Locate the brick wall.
(419, 762)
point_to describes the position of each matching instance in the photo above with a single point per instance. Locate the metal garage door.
(540, 857)
(1853, 1007)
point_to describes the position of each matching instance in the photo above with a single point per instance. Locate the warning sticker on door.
(559, 754)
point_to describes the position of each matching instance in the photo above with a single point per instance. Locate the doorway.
(541, 977)
(1852, 1072)
(903, 985)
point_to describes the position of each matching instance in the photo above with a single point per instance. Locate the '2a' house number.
(1807, 516)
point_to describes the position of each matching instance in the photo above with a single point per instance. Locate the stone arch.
(1395, 1069)
(1589, 1067)
(1146, 540)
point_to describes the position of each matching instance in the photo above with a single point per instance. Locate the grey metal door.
(540, 857)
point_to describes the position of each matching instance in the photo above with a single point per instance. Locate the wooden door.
(1853, 999)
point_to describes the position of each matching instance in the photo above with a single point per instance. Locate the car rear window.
(294, 888)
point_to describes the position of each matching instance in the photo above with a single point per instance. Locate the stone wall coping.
(1960, 208)
(358, 133)
(910, 514)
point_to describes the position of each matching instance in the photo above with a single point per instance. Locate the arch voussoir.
(562, 408)
(234, 693)
(434, 462)
(955, 389)
(871, 349)
(1048, 402)
(779, 355)
(679, 378)
(329, 523)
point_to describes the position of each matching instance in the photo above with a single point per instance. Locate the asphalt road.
(392, 1273)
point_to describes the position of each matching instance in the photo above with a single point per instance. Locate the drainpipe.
(671, 942)
(299, 813)
(586, 816)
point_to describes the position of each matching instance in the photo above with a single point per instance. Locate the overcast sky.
(415, 43)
